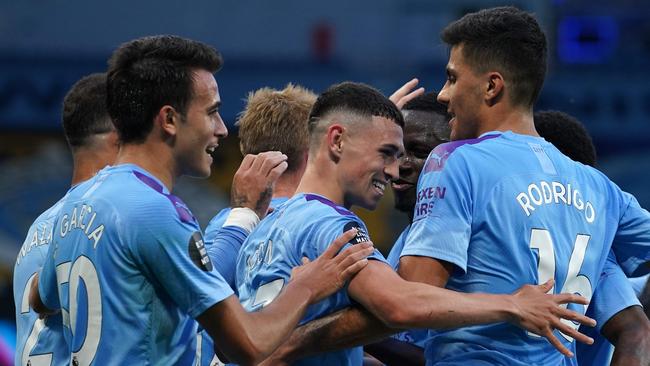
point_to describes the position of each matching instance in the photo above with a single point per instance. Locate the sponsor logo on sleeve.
(198, 253)
(361, 236)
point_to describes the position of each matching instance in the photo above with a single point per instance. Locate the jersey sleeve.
(173, 252)
(632, 240)
(215, 225)
(47, 283)
(639, 283)
(331, 229)
(442, 217)
(223, 249)
(613, 294)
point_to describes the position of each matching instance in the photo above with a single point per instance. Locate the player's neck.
(86, 163)
(152, 157)
(318, 181)
(519, 121)
(286, 185)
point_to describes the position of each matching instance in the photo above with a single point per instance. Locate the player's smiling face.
(462, 94)
(419, 140)
(201, 129)
(370, 161)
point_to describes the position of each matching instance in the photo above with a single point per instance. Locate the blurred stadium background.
(598, 72)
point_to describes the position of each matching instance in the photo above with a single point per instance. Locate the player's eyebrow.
(214, 106)
(393, 149)
(449, 71)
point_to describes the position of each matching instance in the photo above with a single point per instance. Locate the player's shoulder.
(137, 195)
(456, 150)
(40, 234)
(318, 209)
(313, 214)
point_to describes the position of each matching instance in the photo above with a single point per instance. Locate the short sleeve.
(216, 224)
(173, 251)
(632, 240)
(331, 229)
(613, 293)
(442, 217)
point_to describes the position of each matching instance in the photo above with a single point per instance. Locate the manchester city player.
(355, 143)
(273, 120)
(93, 142)
(128, 267)
(508, 208)
(425, 127)
(614, 304)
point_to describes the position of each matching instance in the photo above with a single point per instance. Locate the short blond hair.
(277, 120)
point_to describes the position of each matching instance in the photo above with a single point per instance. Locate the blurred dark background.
(598, 72)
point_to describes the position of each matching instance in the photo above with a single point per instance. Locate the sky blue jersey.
(304, 226)
(416, 337)
(38, 341)
(508, 210)
(614, 293)
(225, 259)
(129, 271)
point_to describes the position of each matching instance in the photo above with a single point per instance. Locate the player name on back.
(557, 193)
(82, 218)
(42, 235)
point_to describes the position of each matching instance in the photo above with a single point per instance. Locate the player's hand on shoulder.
(541, 313)
(252, 185)
(330, 271)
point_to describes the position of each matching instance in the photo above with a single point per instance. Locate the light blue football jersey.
(509, 210)
(304, 226)
(224, 258)
(38, 341)
(416, 337)
(130, 272)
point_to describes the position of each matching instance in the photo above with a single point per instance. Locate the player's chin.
(371, 203)
(202, 171)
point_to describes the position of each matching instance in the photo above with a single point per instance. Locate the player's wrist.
(303, 289)
(509, 309)
(242, 217)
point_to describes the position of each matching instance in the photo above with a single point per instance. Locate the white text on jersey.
(544, 193)
(81, 219)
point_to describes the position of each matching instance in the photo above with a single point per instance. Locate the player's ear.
(168, 119)
(335, 140)
(495, 88)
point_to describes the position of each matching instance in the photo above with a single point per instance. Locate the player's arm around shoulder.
(247, 338)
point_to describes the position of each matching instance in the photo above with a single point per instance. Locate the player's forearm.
(274, 323)
(346, 328)
(429, 307)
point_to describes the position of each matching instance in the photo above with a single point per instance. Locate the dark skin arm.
(395, 352)
(629, 332)
(645, 298)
